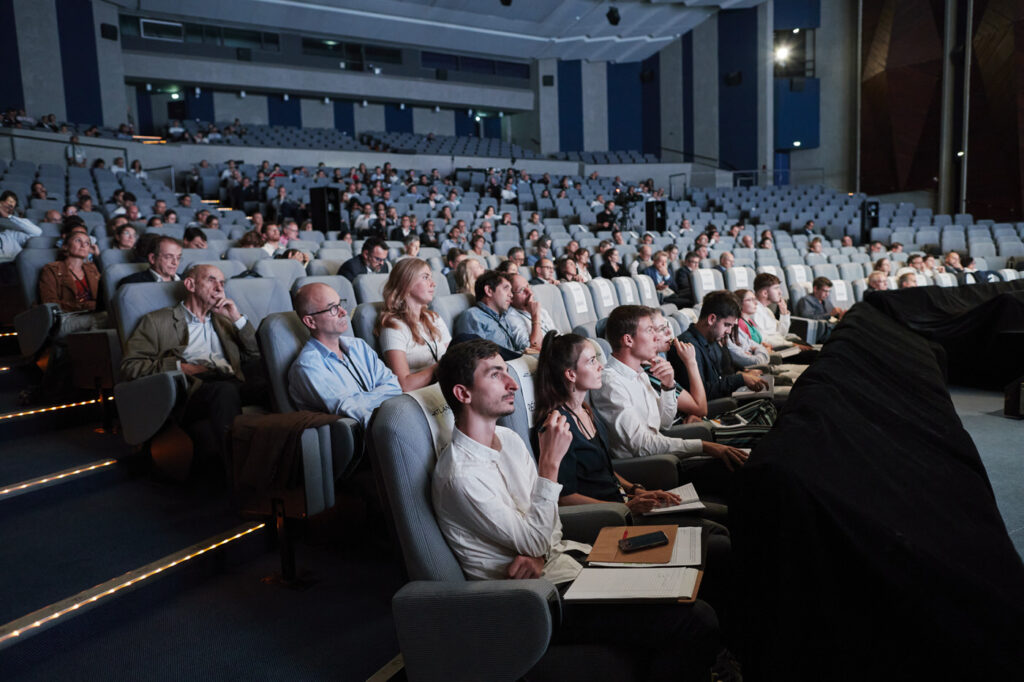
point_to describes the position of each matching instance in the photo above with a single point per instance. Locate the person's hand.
(646, 500)
(767, 346)
(752, 380)
(686, 352)
(189, 369)
(731, 457)
(534, 308)
(525, 567)
(661, 369)
(693, 419)
(227, 307)
(783, 308)
(554, 439)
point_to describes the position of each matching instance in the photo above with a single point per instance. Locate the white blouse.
(418, 355)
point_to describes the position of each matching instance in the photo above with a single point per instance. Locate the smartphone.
(638, 542)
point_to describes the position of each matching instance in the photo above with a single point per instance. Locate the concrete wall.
(705, 90)
(39, 53)
(315, 114)
(671, 74)
(836, 66)
(547, 106)
(766, 90)
(317, 83)
(370, 117)
(594, 79)
(227, 106)
(425, 121)
(111, 67)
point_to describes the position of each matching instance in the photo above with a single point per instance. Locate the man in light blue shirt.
(14, 230)
(489, 318)
(335, 374)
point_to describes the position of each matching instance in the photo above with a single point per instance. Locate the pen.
(625, 534)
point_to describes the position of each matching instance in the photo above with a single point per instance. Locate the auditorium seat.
(603, 295)
(363, 320)
(246, 256)
(284, 269)
(451, 306)
(704, 281)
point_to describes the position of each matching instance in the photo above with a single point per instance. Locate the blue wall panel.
(651, 101)
(79, 61)
(688, 96)
(737, 104)
(797, 114)
(781, 168)
(281, 113)
(200, 107)
(790, 14)
(144, 111)
(570, 106)
(464, 123)
(492, 127)
(345, 116)
(397, 120)
(625, 106)
(10, 74)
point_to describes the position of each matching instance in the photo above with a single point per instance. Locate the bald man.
(208, 339)
(336, 374)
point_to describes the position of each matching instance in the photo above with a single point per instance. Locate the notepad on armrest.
(788, 351)
(688, 501)
(685, 551)
(631, 585)
(767, 392)
(606, 547)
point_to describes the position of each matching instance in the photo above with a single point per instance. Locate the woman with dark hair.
(611, 266)
(125, 237)
(412, 337)
(568, 367)
(582, 258)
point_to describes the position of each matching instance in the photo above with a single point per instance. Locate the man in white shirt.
(768, 289)
(273, 235)
(526, 309)
(498, 512)
(14, 230)
(634, 411)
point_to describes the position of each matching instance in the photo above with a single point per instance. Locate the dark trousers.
(218, 400)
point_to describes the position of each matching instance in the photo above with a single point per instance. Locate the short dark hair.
(719, 303)
(690, 254)
(821, 282)
(372, 243)
(458, 365)
(453, 254)
(516, 249)
(193, 232)
(765, 280)
(492, 279)
(624, 320)
(154, 246)
(7, 194)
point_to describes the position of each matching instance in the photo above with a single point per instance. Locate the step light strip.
(51, 408)
(8, 334)
(33, 623)
(34, 484)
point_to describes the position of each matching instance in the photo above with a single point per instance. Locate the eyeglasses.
(334, 310)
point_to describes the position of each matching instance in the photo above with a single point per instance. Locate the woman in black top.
(567, 369)
(611, 266)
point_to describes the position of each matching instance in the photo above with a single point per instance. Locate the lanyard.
(353, 371)
(508, 335)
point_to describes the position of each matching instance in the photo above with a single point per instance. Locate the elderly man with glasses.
(336, 374)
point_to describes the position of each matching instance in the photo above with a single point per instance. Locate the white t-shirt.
(418, 355)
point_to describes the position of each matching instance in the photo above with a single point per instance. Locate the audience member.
(544, 272)
(490, 319)
(15, 231)
(661, 276)
(611, 266)
(907, 280)
(498, 511)
(372, 259)
(73, 284)
(124, 237)
(466, 273)
(164, 256)
(208, 339)
(768, 291)
(194, 238)
(878, 281)
(525, 309)
(814, 305)
(412, 337)
(333, 373)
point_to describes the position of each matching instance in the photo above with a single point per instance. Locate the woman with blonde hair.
(466, 273)
(412, 337)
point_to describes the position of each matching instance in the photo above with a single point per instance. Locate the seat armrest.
(582, 522)
(346, 436)
(657, 472)
(34, 326)
(145, 404)
(809, 330)
(720, 405)
(473, 630)
(697, 431)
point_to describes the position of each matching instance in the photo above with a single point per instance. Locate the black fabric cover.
(979, 327)
(865, 531)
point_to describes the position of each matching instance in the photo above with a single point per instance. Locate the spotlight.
(613, 16)
(174, 95)
(960, 154)
(241, 93)
(796, 143)
(402, 106)
(198, 92)
(476, 118)
(437, 109)
(376, 71)
(796, 30)
(342, 65)
(469, 113)
(501, 114)
(149, 87)
(285, 97)
(327, 100)
(365, 103)
(782, 53)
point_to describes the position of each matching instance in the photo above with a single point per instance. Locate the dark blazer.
(719, 381)
(146, 275)
(355, 266)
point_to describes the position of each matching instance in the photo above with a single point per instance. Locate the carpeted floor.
(1000, 442)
